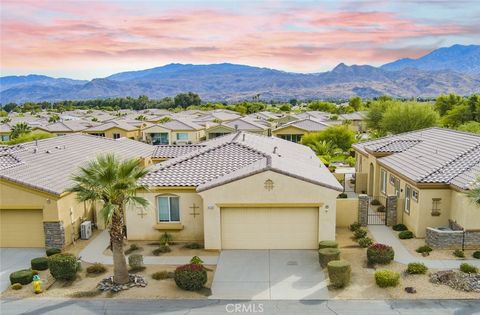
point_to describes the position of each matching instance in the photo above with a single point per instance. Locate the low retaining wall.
(448, 239)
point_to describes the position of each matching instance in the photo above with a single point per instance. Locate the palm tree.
(474, 192)
(54, 118)
(114, 183)
(20, 129)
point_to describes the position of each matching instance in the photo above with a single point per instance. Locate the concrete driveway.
(269, 275)
(13, 259)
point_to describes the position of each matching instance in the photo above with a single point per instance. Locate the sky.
(90, 39)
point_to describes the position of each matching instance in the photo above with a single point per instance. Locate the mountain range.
(453, 69)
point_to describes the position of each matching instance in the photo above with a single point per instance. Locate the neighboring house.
(62, 128)
(174, 131)
(35, 210)
(5, 130)
(115, 130)
(239, 124)
(357, 121)
(239, 191)
(429, 171)
(293, 131)
(217, 116)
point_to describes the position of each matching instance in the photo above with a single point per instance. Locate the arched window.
(168, 208)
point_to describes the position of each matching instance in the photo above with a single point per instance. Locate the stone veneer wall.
(452, 239)
(363, 202)
(391, 209)
(54, 234)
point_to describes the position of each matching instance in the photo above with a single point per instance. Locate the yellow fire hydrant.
(37, 284)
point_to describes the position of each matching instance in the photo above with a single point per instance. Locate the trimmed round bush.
(162, 249)
(387, 278)
(339, 273)
(342, 196)
(63, 266)
(360, 233)
(416, 269)
(16, 286)
(365, 242)
(399, 227)
(327, 244)
(355, 226)
(24, 276)
(380, 254)
(424, 249)
(405, 235)
(476, 254)
(467, 268)
(53, 251)
(191, 277)
(326, 255)
(39, 263)
(459, 253)
(135, 261)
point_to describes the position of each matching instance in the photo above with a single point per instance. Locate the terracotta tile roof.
(172, 151)
(108, 125)
(307, 124)
(177, 124)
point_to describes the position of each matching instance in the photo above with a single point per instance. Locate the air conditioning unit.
(86, 230)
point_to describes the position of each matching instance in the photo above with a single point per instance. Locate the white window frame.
(417, 193)
(383, 181)
(169, 208)
(408, 198)
(182, 133)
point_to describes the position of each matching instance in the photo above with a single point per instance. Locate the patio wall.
(347, 211)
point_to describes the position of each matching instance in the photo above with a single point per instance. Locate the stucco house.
(239, 124)
(294, 130)
(115, 130)
(174, 131)
(62, 128)
(239, 191)
(429, 171)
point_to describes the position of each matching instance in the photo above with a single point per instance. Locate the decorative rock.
(458, 280)
(134, 281)
(410, 290)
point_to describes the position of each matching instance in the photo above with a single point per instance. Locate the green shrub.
(193, 246)
(459, 253)
(327, 244)
(161, 275)
(53, 251)
(375, 202)
(476, 254)
(196, 260)
(365, 242)
(24, 276)
(404, 235)
(162, 249)
(166, 238)
(326, 255)
(360, 233)
(39, 263)
(35, 272)
(467, 268)
(387, 278)
(342, 196)
(132, 248)
(381, 209)
(339, 273)
(191, 277)
(355, 226)
(380, 254)
(399, 227)
(96, 268)
(416, 269)
(16, 286)
(135, 261)
(63, 266)
(424, 249)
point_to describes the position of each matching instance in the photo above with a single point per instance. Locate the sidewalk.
(383, 234)
(93, 253)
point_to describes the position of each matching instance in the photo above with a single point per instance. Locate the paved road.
(216, 307)
(13, 259)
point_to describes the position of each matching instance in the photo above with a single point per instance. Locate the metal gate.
(377, 211)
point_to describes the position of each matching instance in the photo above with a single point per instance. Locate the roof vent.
(236, 127)
(243, 138)
(275, 150)
(35, 150)
(48, 151)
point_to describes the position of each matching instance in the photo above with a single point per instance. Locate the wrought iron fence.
(377, 212)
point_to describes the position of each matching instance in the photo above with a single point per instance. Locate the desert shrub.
(342, 196)
(400, 227)
(381, 209)
(191, 277)
(24, 276)
(355, 226)
(416, 269)
(326, 255)
(365, 242)
(459, 253)
(424, 249)
(196, 260)
(53, 251)
(96, 268)
(327, 244)
(39, 263)
(166, 238)
(476, 254)
(467, 268)
(193, 246)
(360, 233)
(375, 202)
(380, 254)
(339, 273)
(135, 261)
(387, 278)
(404, 235)
(132, 248)
(16, 286)
(161, 275)
(162, 249)
(63, 266)
(85, 294)
(35, 272)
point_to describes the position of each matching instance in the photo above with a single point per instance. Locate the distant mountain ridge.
(454, 69)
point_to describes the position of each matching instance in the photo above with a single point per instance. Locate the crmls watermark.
(244, 308)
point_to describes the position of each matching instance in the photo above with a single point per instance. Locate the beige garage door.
(21, 228)
(269, 228)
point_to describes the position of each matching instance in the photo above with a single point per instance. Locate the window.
(383, 181)
(98, 134)
(168, 209)
(392, 180)
(182, 136)
(293, 138)
(5, 138)
(396, 187)
(436, 206)
(408, 197)
(116, 136)
(415, 195)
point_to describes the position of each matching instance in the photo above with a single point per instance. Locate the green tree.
(187, 99)
(474, 192)
(409, 116)
(54, 118)
(457, 116)
(28, 137)
(444, 103)
(338, 136)
(114, 183)
(355, 103)
(20, 129)
(322, 106)
(141, 117)
(471, 126)
(375, 114)
(285, 108)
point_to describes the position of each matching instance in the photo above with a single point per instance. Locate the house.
(62, 128)
(429, 171)
(294, 130)
(239, 191)
(115, 130)
(174, 131)
(5, 131)
(35, 210)
(357, 121)
(239, 124)
(218, 116)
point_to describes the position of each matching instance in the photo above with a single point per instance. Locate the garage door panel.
(269, 228)
(21, 228)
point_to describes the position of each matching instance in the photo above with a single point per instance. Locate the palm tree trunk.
(120, 271)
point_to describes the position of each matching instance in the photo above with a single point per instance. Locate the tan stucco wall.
(79, 212)
(250, 191)
(135, 134)
(290, 130)
(347, 212)
(464, 211)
